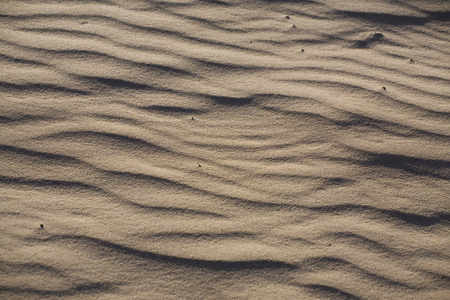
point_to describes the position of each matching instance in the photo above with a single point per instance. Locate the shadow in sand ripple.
(389, 19)
(23, 119)
(329, 263)
(418, 166)
(42, 88)
(232, 101)
(361, 241)
(329, 292)
(386, 214)
(174, 210)
(439, 15)
(41, 155)
(119, 83)
(215, 265)
(23, 61)
(171, 109)
(88, 288)
(203, 236)
(112, 139)
(75, 186)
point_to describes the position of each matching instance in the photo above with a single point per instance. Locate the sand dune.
(189, 149)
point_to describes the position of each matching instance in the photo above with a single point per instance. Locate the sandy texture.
(224, 149)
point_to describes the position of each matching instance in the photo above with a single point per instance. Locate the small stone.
(378, 35)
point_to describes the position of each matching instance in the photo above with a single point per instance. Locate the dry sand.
(224, 149)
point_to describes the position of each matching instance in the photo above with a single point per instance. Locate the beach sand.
(224, 149)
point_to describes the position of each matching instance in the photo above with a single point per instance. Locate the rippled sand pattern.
(190, 149)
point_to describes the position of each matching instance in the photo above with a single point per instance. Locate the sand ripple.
(219, 149)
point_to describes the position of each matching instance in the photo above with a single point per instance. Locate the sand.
(224, 149)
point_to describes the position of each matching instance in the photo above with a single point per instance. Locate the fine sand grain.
(224, 149)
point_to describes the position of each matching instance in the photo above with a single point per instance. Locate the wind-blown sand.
(191, 149)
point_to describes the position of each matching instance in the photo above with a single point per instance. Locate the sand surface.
(224, 149)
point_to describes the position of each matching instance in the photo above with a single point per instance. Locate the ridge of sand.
(224, 149)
